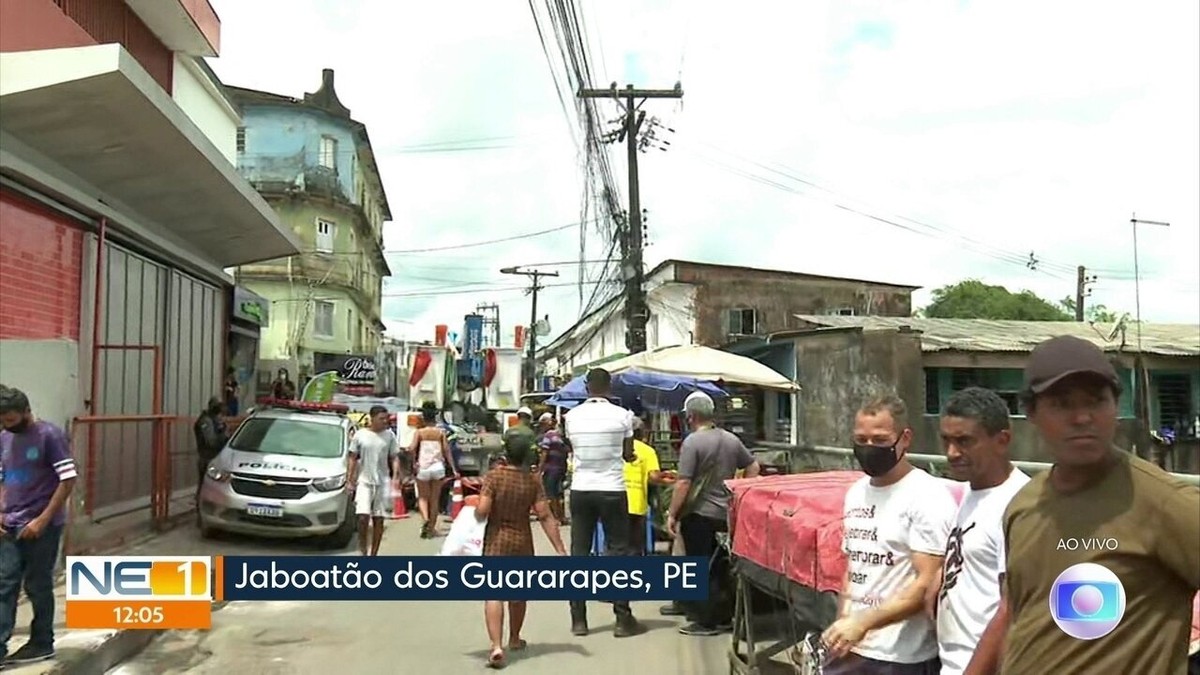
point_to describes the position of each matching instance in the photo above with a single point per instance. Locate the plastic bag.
(466, 535)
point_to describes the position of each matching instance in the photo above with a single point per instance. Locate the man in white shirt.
(601, 436)
(975, 433)
(368, 478)
(897, 521)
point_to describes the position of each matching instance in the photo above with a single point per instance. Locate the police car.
(283, 474)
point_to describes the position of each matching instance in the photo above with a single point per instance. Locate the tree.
(973, 299)
(1093, 313)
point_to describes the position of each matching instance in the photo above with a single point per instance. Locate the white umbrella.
(703, 363)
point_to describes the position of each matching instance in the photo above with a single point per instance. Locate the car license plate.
(265, 510)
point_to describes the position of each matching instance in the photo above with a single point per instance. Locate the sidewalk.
(94, 652)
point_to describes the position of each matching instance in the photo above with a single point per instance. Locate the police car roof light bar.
(307, 406)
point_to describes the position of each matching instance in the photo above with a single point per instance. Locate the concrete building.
(120, 209)
(840, 361)
(314, 164)
(713, 305)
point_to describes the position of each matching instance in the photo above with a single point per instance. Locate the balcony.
(316, 268)
(188, 26)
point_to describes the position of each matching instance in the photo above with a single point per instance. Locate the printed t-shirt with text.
(597, 430)
(1140, 523)
(32, 464)
(637, 477)
(884, 527)
(373, 451)
(974, 561)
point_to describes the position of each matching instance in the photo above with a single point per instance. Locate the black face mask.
(876, 460)
(19, 427)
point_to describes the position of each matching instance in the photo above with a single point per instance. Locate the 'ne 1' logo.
(131, 577)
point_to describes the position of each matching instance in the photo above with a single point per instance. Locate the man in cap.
(522, 434)
(1135, 527)
(601, 435)
(699, 507)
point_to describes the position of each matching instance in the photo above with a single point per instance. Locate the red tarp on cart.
(792, 525)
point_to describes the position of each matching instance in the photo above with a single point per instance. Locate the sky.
(916, 142)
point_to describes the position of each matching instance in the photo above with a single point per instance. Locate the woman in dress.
(433, 461)
(509, 492)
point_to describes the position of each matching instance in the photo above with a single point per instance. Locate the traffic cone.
(456, 499)
(399, 510)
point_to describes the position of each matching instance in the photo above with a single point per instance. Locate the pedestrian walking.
(699, 508)
(552, 465)
(601, 435)
(976, 434)
(37, 473)
(1094, 492)
(901, 515)
(209, 430)
(640, 474)
(508, 494)
(433, 461)
(374, 459)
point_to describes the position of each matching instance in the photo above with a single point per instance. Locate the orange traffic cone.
(399, 510)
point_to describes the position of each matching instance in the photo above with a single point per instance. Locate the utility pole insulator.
(632, 239)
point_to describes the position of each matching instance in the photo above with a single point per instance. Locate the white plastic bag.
(466, 534)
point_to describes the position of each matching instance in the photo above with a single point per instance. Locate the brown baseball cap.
(1063, 356)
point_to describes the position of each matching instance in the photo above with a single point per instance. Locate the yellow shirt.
(637, 477)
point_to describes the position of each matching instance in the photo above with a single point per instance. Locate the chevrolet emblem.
(269, 483)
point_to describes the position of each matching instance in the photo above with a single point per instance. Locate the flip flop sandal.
(517, 646)
(496, 659)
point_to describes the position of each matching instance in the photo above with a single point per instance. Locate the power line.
(506, 289)
(486, 243)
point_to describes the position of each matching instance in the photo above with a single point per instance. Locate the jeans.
(637, 535)
(29, 563)
(699, 535)
(611, 510)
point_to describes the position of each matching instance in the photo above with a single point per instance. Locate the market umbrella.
(636, 389)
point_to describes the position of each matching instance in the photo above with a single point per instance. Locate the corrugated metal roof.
(982, 335)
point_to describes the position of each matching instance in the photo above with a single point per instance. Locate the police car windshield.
(274, 436)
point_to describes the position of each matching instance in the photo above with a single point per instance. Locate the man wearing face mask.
(897, 521)
(37, 473)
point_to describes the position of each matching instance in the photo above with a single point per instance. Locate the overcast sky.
(997, 128)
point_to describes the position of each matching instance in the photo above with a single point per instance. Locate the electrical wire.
(486, 243)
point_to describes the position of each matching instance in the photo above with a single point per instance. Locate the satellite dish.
(541, 328)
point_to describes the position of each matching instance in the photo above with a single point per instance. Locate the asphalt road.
(431, 638)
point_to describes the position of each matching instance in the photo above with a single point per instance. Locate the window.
(271, 436)
(241, 140)
(362, 335)
(328, 154)
(743, 322)
(1005, 384)
(843, 311)
(933, 392)
(1174, 393)
(323, 319)
(325, 231)
(350, 325)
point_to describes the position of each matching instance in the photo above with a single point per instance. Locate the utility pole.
(491, 322)
(1082, 280)
(536, 276)
(1143, 377)
(636, 312)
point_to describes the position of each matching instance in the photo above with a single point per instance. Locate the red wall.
(41, 268)
(28, 25)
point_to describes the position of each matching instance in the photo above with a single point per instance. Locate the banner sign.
(455, 578)
(356, 372)
(321, 388)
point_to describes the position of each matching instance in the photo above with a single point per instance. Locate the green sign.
(252, 310)
(320, 389)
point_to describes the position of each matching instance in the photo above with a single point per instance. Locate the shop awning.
(96, 113)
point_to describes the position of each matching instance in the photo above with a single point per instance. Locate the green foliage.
(973, 299)
(1093, 313)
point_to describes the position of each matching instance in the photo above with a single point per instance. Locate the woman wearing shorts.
(431, 459)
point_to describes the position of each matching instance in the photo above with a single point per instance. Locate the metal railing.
(934, 463)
